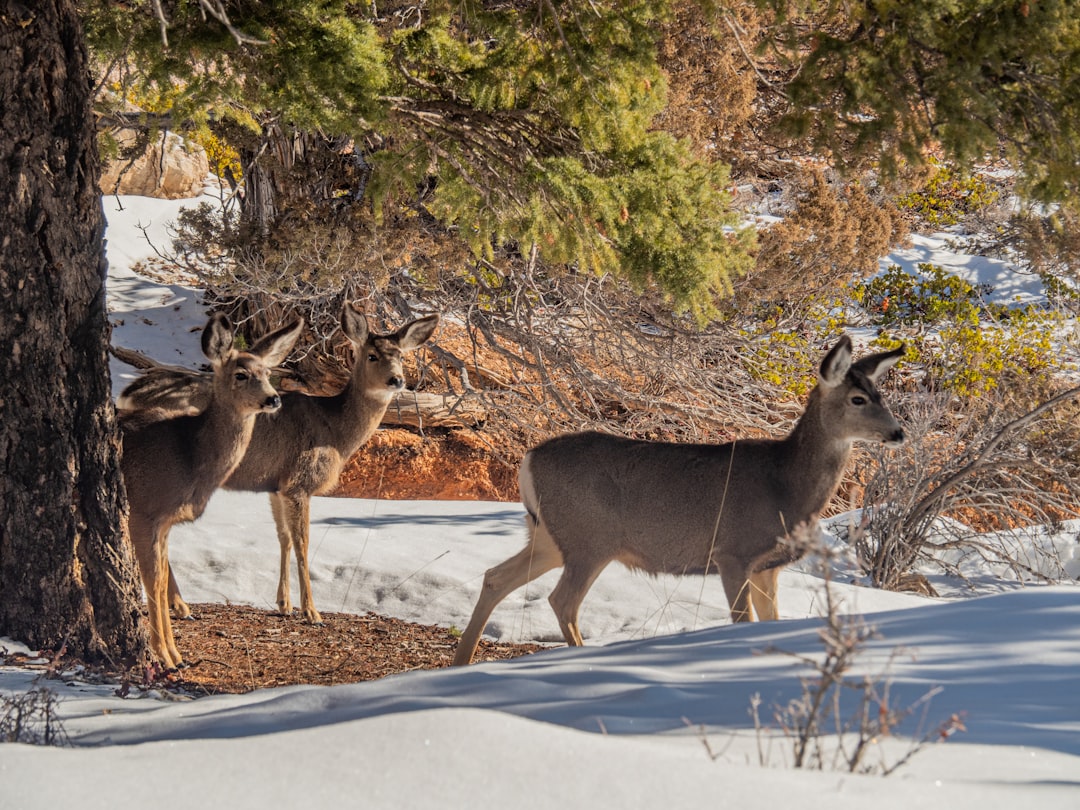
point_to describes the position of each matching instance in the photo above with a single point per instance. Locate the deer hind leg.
(763, 594)
(284, 533)
(176, 601)
(538, 557)
(737, 588)
(565, 600)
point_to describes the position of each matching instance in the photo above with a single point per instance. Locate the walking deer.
(172, 464)
(591, 498)
(300, 451)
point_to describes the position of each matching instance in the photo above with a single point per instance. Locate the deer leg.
(145, 539)
(538, 557)
(568, 595)
(281, 522)
(763, 594)
(153, 567)
(176, 601)
(737, 588)
(299, 509)
(169, 641)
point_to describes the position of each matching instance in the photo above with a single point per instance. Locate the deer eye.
(373, 358)
(242, 376)
(858, 399)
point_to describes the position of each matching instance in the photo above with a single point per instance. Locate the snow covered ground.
(656, 711)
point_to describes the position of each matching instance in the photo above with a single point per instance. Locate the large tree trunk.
(288, 171)
(66, 569)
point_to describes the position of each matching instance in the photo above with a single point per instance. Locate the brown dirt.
(237, 649)
(399, 464)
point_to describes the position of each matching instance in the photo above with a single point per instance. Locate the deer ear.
(275, 347)
(353, 323)
(217, 338)
(417, 332)
(835, 365)
(875, 366)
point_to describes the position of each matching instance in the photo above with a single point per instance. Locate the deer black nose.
(272, 403)
(395, 382)
(895, 438)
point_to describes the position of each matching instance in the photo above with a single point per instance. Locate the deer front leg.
(163, 571)
(281, 521)
(297, 517)
(153, 570)
(154, 567)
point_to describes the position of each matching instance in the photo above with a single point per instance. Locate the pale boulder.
(170, 168)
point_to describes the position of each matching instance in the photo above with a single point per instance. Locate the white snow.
(628, 721)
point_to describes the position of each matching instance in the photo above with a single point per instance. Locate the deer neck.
(222, 438)
(362, 412)
(815, 458)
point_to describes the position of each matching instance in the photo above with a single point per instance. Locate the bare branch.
(216, 9)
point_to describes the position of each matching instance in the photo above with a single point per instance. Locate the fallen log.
(421, 409)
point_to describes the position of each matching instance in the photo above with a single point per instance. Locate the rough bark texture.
(66, 570)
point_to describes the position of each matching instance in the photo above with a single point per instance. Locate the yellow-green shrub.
(947, 197)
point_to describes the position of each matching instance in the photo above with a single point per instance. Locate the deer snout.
(396, 383)
(894, 439)
(271, 404)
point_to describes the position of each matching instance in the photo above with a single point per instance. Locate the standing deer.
(172, 464)
(591, 498)
(300, 451)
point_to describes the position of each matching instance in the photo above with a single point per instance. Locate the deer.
(660, 507)
(172, 463)
(299, 451)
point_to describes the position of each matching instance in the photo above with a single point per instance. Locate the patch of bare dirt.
(399, 464)
(237, 649)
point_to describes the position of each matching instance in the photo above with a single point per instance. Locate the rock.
(181, 172)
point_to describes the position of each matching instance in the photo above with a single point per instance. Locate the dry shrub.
(1011, 460)
(841, 716)
(712, 89)
(313, 260)
(1050, 243)
(830, 236)
(1047, 244)
(32, 718)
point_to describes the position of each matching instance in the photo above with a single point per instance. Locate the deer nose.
(272, 403)
(896, 438)
(395, 382)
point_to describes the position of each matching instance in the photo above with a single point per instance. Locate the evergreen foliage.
(532, 128)
(888, 79)
(523, 125)
(307, 62)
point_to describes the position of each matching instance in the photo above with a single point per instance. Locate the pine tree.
(67, 573)
(523, 125)
(976, 79)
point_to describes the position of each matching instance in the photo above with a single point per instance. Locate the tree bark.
(67, 574)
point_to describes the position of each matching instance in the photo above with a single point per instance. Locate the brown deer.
(300, 451)
(591, 498)
(172, 464)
